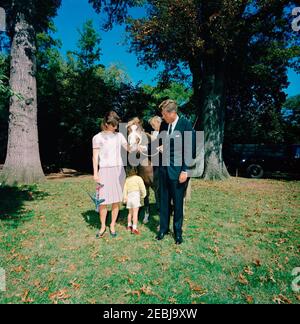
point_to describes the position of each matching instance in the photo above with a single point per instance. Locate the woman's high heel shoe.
(113, 234)
(100, 235)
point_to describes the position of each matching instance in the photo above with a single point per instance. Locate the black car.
(255, 161)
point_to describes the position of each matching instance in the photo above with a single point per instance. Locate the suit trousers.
(171, 190)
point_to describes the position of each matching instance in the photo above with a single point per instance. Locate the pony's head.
(135, 130)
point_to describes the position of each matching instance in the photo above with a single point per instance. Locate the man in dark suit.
(173, 171)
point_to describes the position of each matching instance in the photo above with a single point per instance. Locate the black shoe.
(178, 240)
(113, 234)
(160, 236)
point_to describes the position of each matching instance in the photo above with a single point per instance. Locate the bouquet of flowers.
(96, 197)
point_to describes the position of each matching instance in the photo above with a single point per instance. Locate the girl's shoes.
(129, 228)
(135, 232)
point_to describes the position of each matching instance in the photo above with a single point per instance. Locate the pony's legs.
(147, 207)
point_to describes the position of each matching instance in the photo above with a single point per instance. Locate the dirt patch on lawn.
(67, 174)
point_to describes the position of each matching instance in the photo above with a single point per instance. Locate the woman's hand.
(96, 178)
(142, 148)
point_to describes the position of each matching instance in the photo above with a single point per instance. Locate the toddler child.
(134, 192)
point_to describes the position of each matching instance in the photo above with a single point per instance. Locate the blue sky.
(74, 13)
(72, 16)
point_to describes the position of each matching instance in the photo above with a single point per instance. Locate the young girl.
(155, 123)
(134, 192)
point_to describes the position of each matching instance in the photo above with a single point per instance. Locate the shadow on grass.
(153, 219)
(282, 176)
(12, 199)
(92, 218)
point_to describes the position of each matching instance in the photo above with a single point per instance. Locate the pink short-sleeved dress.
(111, 167)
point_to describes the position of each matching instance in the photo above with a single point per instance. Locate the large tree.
(25, 18)
(213, 39)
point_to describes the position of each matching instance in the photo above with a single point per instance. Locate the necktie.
(171, 129)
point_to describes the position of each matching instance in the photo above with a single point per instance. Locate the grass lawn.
(242, 241)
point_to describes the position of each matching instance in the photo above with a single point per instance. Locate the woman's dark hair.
(111, 118)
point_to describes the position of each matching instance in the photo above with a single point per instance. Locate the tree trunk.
(211, 115)
(23, 165)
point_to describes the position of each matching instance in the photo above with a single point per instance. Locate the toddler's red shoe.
(129, 228)
(135, 232)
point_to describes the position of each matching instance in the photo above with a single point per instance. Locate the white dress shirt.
(173, 125)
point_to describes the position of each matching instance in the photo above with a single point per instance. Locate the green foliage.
(116, 10)
(89, 51)
(175, 90)
(73, 96)
(36, 12)
(238, 53)
(291, 111)
(5, 91)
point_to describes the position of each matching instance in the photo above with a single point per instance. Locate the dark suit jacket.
(177, 153)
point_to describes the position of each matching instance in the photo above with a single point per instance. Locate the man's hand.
(161, 149)
(183, 177)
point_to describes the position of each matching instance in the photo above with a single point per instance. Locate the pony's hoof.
(146, 220)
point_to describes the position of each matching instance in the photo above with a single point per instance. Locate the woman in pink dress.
(109, 169)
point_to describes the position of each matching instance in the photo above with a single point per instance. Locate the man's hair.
(169, 106)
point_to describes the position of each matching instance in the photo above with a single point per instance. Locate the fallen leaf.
(18, 269)
(249, 299)
(60, 295)
(281, 300)
(257, 263)
(75, 285)
(243, 280)
(147, 290)
(249, 271)
(133, 293)
(172, 300)
(25, 298)
(195, 287)
(122, 259)
(72, 268)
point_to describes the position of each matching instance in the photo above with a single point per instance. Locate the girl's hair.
(131, 171)
(155, 119)
(111, 118)
(135, 121)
